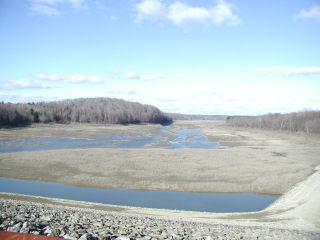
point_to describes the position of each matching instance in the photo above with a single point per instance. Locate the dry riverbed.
(255, 161)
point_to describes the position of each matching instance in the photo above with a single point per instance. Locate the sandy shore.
(256, 161)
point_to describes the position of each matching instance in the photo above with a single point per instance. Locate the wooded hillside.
(83, 110)
(305, 121)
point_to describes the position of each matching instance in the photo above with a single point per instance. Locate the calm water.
(185, 138)
(222, 202)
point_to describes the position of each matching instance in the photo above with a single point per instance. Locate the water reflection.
(205, 202)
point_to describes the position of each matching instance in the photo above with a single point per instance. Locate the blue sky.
(203, 57)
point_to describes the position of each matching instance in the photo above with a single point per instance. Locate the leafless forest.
(83, 110)
(304, 121)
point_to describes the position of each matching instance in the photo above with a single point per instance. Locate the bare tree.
(91, 110)
(304, 121)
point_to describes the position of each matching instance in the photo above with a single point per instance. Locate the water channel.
(204, 202)
(181, 138)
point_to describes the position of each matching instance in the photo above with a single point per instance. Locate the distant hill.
(83, 110)
(179, 116)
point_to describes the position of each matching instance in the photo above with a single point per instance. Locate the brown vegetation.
(305, 121)
(89, 110)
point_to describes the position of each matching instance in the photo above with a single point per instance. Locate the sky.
(227, 57)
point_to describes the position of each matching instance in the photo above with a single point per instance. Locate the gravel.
(90, 224)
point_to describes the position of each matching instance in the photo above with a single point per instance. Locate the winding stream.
(183, 138)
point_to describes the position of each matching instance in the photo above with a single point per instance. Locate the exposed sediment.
(257, 161)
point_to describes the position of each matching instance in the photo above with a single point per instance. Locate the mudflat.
(255, 160)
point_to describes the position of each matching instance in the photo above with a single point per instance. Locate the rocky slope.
(78, 223)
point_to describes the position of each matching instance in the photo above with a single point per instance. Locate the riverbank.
(81, 220)
(298, 209)
(256, 161)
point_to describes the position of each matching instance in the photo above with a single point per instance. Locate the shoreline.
(295, 210)
(185, 201)
(143, 190)
(256, 161)
(284, 219)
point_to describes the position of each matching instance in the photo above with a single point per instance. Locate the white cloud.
(181, 13)
(150, 10)
(22, 84)
(134, 75)
(73, 3)
(222, 13)
(50, 7)
(73, 78)
(45, 10)
(290, 70)
(312, 13)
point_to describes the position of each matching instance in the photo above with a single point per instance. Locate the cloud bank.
(73, 78)
(22, 84)
(150, 10)
(182, 14)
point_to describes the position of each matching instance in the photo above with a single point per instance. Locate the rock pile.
(89, 224)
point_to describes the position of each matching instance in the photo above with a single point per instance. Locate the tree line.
(179, 116)
(304, 121)
(82, 110)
